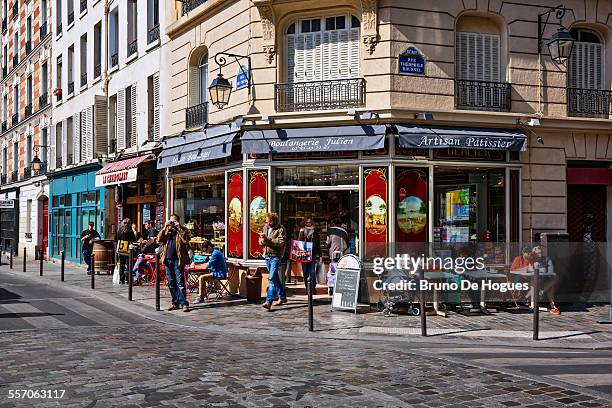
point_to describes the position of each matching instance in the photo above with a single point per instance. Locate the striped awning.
(121, 171)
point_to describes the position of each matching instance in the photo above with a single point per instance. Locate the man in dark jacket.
(174, 239)
(88, 237)
(273, 240)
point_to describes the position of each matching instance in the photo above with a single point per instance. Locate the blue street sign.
(411, 62)
(242, 77)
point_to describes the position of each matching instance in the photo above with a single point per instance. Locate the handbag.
(301, 251)
(321, 273)
(116, 277)
(123, 247)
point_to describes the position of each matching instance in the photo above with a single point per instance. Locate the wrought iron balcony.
(27, 172)
(4, 71)
(14, 176)
(483, 95)
(132, 48)
(3, 179)
(43, 168)
(189, 5)
(153, 34)
(150, 133)
(43, 100)
(83, 5)
(14, 119)
(59, 162)
(43, 30)
(4, 25)
(58, 96)
(115, 59)
(59, 28)
(28, 110)
(70, 87)
(4, 126)
(70, 159)
(15, 8)
(320, 95)
(28, 46)
(97, 70)
(591, 103)
(196, 116)
(83, 79)
(15, 60)
(70, 17)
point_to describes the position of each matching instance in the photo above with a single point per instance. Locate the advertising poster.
(375, 211)
(234, 214)
(258, 208)
(411, 199)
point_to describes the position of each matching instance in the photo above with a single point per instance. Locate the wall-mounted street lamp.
(36, 162)
(561, 43)
(220, 88)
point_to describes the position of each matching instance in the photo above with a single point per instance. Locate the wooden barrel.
(103, 251)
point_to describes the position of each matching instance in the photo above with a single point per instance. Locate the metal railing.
(320, 95)
(43, 168)
(70, 17)
(70, 87)
(43, 100)
(58, 96)
(97, 70)
(4, 126)
(3, 179)
(59, 27)
(84, 79)
(150, 133)
(28, 46)
(4, 25)
(14, 119)
(114, 59)
(43, 30)
(483, 95)
(70, 159)
(27, 172)
(189, 5)
(132, 48)
(14, 176)
(196, 116)
(15, 8)
(83, 5)
(153, 34)
(15, 60)
(593, 103)
(4, 71)
(59, 162)
(28, 110)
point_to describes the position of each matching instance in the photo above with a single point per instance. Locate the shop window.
(258, 208)
(317, 176)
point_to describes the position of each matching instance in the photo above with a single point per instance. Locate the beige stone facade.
(538, 86)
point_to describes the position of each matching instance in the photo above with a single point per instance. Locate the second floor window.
(585, 69)
(325, 48)
(477, 57)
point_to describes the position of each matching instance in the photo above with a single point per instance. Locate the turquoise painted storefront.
(75, 201)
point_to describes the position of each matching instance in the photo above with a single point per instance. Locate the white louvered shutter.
(586, 66)
(77, 138)
(354, 53)
(99, 126)
(121, 119)
(134, 114)
(194, 85)
(52, 148)
(89, 136)
(343, 54)
(291, 55)
(83, 120)
(299, 61)
(478, 57)
(156, 110)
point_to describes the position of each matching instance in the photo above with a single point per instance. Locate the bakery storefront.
(390, 186)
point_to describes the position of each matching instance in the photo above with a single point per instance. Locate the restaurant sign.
(6, 204)
(116, 177)
(411, 62)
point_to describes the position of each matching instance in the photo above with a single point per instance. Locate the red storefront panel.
(258, 208)
(234, 214)
(375, 212)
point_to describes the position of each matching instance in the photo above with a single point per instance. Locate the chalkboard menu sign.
(346, 287)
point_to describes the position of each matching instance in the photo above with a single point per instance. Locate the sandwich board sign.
(346, 288)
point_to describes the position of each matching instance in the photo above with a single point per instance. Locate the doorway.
(43, 224)
(586, 212)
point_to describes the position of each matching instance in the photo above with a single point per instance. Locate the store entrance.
(323, 206)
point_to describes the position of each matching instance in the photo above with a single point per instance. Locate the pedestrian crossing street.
(584, 368)
(60, 313)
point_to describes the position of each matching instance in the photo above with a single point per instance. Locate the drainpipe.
(105, 57)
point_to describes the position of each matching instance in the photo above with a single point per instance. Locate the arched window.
(323, 48)
(585, 70)
(198, 77)
(478, 50)
(203, 78)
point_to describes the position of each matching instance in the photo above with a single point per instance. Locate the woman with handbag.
(308, 233)
(124, 238)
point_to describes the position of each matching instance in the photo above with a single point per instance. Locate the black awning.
(440, 137)
(208, 144)
(295, 140)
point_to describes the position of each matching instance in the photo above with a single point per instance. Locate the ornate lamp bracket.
(268, 27)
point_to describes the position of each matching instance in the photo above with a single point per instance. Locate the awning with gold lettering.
(121, 171)
(441, 137)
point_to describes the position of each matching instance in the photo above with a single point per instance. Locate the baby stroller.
(393, 301)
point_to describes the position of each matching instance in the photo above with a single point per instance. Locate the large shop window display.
(200, 202)
(258, 208)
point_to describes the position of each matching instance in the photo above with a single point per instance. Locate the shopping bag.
(116, 277)
(331, 275)
(123, 247)
(321, 273)
(301, 251)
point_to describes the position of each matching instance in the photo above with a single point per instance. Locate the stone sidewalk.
(573, 329)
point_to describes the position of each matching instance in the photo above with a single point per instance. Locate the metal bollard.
(422, 306)
(157, 283)
(129, 274)
(310, 311)
(40, 256)
(536, 303)
(24, 259)
(62, 265)
(93, 271)
(11, 256)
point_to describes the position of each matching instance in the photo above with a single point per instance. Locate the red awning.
(586, 175)
(123, 164)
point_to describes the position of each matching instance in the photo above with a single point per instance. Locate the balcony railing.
(58, 162)
(114, 59)
(132, 48)
(592, 103)
(14, 176)
(28, 110)
(4, 126)
(28, 46)
(43, 168)
(153, 34)
(4, 71)
(27, 172)
(483, 95)
(59, 28)
(196, 116)
(14, 119)
(15, 8)
(189, 5)
(15, 60)
(4, 25)
(84, 79)
(70, 159)
(43, 100)
(71, 17)
(97, 70)
(43, 30)
(70, 87)
(3, 179)
(83, 5)
(320, 95)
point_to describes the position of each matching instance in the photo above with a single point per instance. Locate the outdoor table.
(484, 274)
(442, 276)
(193, 273)
(529, 274)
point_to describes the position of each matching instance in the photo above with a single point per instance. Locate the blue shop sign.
(242, 77)
(411, 62)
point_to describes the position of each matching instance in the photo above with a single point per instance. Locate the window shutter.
(585, 67)
(354, 53)
(52, 156)
(334, 55)
(291, 58)
(299, 66)
(89, 132)
(343, 54)
(134, 136)
(477, 57)
(156, 130)
(121, 119)
(194, 85)
(325, 56)
(98, 128)
(77, 140)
